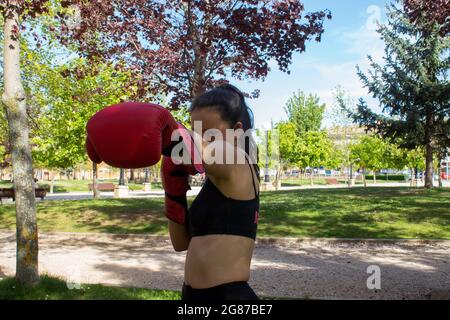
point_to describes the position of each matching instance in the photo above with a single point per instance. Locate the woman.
(221, 225)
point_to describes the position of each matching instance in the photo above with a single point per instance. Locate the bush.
(390, 177)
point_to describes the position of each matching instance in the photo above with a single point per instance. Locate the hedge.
(390, 177)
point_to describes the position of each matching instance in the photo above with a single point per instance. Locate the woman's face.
(214, 132)
(209, 119)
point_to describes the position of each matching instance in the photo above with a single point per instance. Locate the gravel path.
(318, 269)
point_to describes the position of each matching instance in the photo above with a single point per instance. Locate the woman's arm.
(214, 156)
(179, 236)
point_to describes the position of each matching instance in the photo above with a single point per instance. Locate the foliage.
(68, 96)
(412, 87)
(428, 12)
(288, 142)
(184, 47)
(369, 153)
(306, 112)
(316, 150)
(388, 177)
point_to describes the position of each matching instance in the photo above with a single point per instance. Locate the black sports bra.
(214, 213)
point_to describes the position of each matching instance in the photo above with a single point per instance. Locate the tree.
(343, 132)
(369, 154)
(415, 161)
(69, 95)
(305, 112)
(288, 142)
(412, 87)
(315, 150)
(15, 105)
(184, 47)
(428, 12)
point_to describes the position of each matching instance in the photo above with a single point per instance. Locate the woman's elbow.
(180, 247)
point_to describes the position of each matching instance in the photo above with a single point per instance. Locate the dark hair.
(229, 101)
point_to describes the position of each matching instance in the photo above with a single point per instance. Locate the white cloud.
(360, 43)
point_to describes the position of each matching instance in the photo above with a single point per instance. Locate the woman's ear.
(238, 125)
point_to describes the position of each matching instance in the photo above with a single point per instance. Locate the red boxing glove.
(175, 178)
(175, 183)
(130, 135)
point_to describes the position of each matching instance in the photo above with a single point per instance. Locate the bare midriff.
(213, 260)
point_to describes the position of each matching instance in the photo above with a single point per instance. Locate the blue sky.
(349, 37)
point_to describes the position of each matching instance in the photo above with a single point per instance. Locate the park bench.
(102, 186)
(9, 193)
(331, 181)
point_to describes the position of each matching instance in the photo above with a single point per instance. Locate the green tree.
(69, 95)
(412, 87)
(343, 132)
(305, 111)
(14, 102)
(288, 143)
(369, 154)
(315, 150)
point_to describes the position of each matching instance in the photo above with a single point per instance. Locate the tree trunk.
(52, 182)
(94, 181)
(132, 175)
(364, 178)
(428, 166)
(374, 178)
(122, 177)
(198, 84)
(440, 173)
(350, 176)
(277, 182)
(428, 150)
(311, 178)
(15, 106)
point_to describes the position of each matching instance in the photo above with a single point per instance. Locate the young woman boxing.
(219, 229)
(221, 224)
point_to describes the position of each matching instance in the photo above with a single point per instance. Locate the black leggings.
(228, 291)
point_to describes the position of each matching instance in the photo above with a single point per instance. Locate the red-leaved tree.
(181, 48)
(430, 11)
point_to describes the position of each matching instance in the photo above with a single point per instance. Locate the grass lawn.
(293, 182)
(343, 213)
(60, 186)
(51, 288)
(302, 182)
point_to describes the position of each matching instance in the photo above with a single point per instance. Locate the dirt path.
(312, 268)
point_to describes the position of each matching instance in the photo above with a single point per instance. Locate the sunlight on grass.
(347, 213)
(52, 288)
